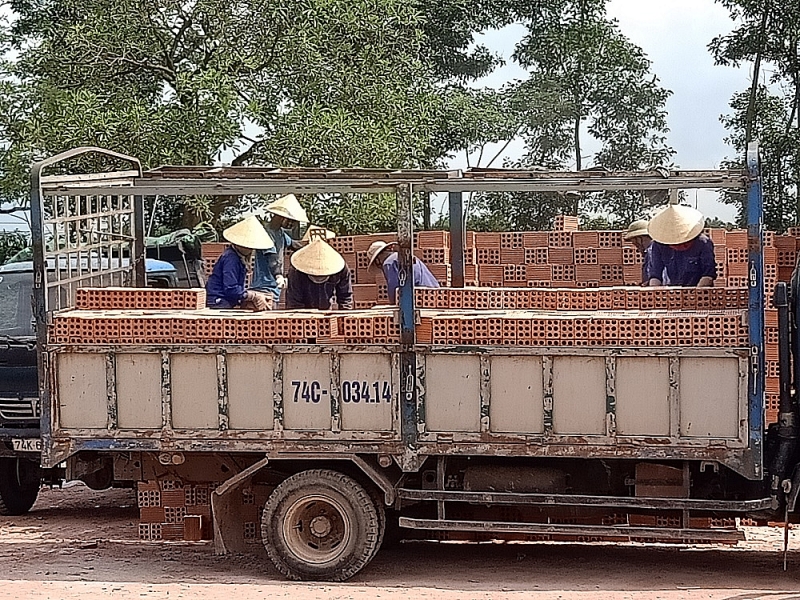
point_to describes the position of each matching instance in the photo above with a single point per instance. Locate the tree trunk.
(751, 106)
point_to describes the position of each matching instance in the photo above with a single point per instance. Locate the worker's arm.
(295, 291)
(708, 264)
(233, 275)
(654, 266)
(392, 274)
(344, 290)
(705, 282)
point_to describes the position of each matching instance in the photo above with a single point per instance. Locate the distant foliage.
(11, 242)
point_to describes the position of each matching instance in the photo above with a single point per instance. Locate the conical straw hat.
(318, 258)
(376, 248)
(316, 232)
(249, 233)
(636, 229)
(288, 206)
(676, 224)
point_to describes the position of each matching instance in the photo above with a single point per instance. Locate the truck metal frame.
(109, 206)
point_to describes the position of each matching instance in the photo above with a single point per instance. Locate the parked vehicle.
(471, 441)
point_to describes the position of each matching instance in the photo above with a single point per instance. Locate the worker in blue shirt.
(384, 256)
(319, 279)
(681, 254)
(268, 275)
(226, 285)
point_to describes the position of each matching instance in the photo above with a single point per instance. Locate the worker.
(320, 277)
(226, 285)
(638, 236)
(680, 254)
(383, 255)
(268, 276)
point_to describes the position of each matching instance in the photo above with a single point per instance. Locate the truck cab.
(20, 405)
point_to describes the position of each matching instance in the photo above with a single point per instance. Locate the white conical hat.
(249, 233)
(636, 229)
(376, 248)
(318, 258)
(288, 206)
(317, 232)
(676, 224)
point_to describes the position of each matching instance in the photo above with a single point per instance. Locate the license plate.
(26, 444)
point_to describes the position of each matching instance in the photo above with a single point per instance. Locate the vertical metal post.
(408, 357)
(457, 238)
(405, 241)
(426, 207)
(755, 269)
(138, 258)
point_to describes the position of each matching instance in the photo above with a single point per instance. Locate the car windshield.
(15, 304)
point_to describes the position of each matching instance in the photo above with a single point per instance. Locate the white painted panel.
(643, 396)
(579, 395)
(306, 391)
(709, 397)
(366, 394)
(250, 400)
(516, 395)
(82, 394)
(138, 390)
(195, 399)
(452, 393)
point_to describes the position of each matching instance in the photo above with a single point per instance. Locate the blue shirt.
(267, 267)
(304, 293)
(225, 287)
(684, 268)
(391, 270)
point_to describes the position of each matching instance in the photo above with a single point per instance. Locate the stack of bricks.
(617, 328)
(113, 325)
(175, 510)
(114, 298)
(172, 510)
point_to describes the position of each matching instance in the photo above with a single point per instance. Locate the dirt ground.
(77, 543)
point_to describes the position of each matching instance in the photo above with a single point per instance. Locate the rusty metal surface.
(650, 533)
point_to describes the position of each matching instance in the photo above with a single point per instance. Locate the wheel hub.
(320, 526)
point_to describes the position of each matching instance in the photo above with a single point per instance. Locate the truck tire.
(320, 525)
(20, 480)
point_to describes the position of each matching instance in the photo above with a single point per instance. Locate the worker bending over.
(268, 276)
(681, 254)
(384, 256)
(320, 278)
(225, 287)
(638, 236)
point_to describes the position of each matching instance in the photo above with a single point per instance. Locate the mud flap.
(227, 514)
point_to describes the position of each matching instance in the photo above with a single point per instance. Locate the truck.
(354, 427)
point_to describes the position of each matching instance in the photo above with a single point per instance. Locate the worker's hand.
(258, 300)
(280, 281)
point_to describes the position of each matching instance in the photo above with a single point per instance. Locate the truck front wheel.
(320, 525)
(20, 480)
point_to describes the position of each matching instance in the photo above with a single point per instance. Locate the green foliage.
(768, 31)
(11, 242)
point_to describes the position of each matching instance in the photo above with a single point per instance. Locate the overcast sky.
(675, 36)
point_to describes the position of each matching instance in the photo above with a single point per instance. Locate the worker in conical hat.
(680, 254)
(269, 274)
(320, 278)
(226, 285)
(383, 255)
(638, 236)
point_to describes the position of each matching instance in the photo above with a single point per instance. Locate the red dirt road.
(77, 543)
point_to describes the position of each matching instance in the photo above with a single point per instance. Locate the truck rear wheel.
(320, 525)
(20, 480)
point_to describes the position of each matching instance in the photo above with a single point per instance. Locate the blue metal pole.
(755, 206)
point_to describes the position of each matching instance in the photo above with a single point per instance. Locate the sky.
(674, 34)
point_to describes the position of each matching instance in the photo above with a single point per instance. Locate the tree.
(304, 82)
(586, 80)
(769, 32)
